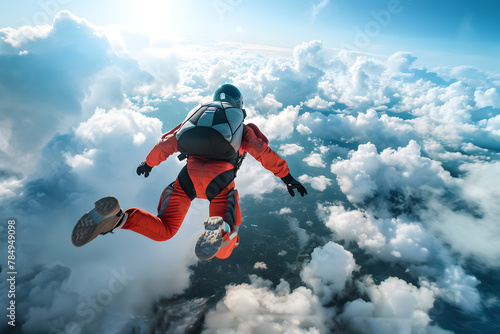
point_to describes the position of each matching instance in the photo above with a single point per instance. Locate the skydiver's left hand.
(292, 184)
(144, 169)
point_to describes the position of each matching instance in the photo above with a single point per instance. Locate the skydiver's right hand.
(144, 169)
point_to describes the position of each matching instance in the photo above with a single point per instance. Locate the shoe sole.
(210, 240)
(102, 219)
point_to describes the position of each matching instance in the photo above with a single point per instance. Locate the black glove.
(291, 184)
(144, 169)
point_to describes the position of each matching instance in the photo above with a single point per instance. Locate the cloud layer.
(258, 307)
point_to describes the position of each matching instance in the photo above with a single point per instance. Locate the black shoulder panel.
(205, 142)
(220, 117)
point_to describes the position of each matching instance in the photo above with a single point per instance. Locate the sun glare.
(154, 17)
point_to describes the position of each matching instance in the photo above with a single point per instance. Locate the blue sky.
(439, 32)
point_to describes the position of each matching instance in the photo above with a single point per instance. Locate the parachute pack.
(212, 130)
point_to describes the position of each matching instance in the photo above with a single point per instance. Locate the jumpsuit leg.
(226, 205)
(172, 209)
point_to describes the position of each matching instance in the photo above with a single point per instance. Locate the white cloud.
(254, 180)
(17, 37)
(318, 103)
(461, 288)
(260, 265)
(279, 125)
(310, 57)
(257, 307)
(490, 97)
(302, 235)
(329, 270)
(81, 160)
(352, 226)
(395, 306)
(290, 149)
(303, 129)
(285, 211)
(268, 104)
(219, 74)
(66, 60)
(397, 240)
(368, 126)
(292, 83)
(474, 235)
(368, 174)
(9, 188)
(164, 68)
(126, 121)
(319, 183)
(315, 160)
(493, 125)
(139, 138)
(400, 62)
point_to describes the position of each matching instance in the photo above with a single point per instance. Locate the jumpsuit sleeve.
(164, 148)
(256, 143)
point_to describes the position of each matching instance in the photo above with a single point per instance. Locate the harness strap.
(186, 183)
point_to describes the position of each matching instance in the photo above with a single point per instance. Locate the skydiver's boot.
(104, 218)
(210, 241)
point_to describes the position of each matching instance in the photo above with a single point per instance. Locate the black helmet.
(229, 93)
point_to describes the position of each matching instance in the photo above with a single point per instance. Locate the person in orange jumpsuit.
(201, 177)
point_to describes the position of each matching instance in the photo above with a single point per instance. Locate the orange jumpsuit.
(202, 178)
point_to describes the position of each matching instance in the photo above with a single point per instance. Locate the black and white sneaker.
(210, 240)
(104, 218)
